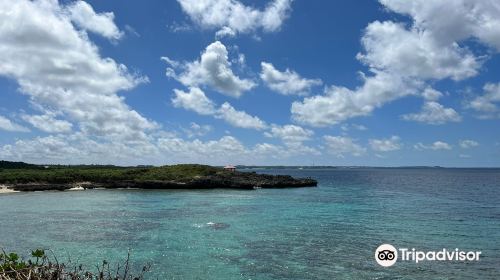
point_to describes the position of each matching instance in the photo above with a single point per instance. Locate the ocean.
(328, 232)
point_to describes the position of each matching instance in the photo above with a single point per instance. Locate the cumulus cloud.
(40, 150)
(197, 130)
(8, 125)
(438, 145)
(78, 148)
(223, 14)
(467, 144)
(60, 69)
(434, 113)
(239, 118)
(340, 146)
(431, 94)
(225, 32)
(486, 105)
(287, 82)
(464, 19)
(403, 58)
(224, 150)
(359, 127)
(414, 53)
(386, 145)
(85, 17)
(213, 69)
(339, 103)
(226, 147)
(164, 148)
(290, 133)
(196, 100)
(48, 123)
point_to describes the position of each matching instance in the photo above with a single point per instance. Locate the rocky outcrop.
(223, 180)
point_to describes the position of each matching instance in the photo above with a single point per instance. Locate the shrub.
(40, 266)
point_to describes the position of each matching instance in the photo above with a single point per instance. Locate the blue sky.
(385, 83)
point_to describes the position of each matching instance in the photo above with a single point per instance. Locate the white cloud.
(431, 94)
(177, 27)
(403, 58)
(213, 69)
(386, 145)
(463, 19)
(487, 103)
(173, 63)
(225, 148)
(438, 145)
(194, 100)
(197, 130)
(41, 149)
(434, 113)
(85, 17)
(217, 14)
(61, 70)
(467, 144)
(8, 125)
(79, 148)
(359, 127)
(225, 32)
(132, 31)
(341, 146)
(414, 53)
(287, 82)
(239, 118)
(290, 133)
(339, 104)
(165, 148)
(347, 127)
(48, 123)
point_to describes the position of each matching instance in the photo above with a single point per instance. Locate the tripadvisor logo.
(387, 255)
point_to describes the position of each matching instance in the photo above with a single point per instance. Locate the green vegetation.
(182, 176)
(15, 165)
(42, 267)
(103, 174)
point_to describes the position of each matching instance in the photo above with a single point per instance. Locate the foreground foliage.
(40, 266)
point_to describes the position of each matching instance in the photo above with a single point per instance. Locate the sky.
(269, 82)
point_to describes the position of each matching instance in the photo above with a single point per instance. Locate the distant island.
(20, 176)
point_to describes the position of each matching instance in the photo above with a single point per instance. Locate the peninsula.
(18, 176)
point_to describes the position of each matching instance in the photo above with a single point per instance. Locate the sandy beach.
(77, 189)
(4, 189)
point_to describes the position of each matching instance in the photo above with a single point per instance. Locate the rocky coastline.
(221, 180)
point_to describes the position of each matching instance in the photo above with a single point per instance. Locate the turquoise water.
(328, 232)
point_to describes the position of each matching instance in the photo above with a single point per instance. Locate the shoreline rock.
(238, 180)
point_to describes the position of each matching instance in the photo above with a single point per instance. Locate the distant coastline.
(19, 176)
(250, 167)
